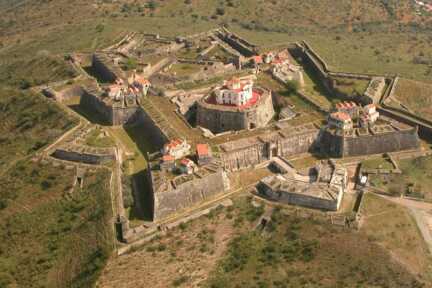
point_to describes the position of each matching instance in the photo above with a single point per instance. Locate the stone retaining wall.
(167, 202)
(80, 157)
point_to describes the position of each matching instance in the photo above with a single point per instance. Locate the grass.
(28, 123)
(49, 237)
(137, 145)
(351, 88)
(50, 68)
(392, 227)
(414, 181)
(297, 252)
(96, 138)
(415, 96)
(185, 69)
(378, 163)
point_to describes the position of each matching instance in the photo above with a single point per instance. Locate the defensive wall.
(172, 196)
(220, 118)
(376, 140)
(404, 116)
(252, 151)
(238, 43)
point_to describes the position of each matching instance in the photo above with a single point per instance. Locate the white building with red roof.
(235, 92)
(176, 148)
(349, 107)
(340, 120)
(187, 166)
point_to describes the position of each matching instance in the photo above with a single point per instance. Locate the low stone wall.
(80, 157)
(167, 202)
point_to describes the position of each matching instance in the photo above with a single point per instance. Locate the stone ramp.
(159, 119)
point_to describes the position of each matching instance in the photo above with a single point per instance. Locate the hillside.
(28, 123)
(52, 235)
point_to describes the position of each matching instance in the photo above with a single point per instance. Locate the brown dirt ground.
(186, 253)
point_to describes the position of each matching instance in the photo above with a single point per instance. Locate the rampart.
(378, 140)
(250, 152)
(170, 197)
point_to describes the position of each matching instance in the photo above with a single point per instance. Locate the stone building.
(253, 108)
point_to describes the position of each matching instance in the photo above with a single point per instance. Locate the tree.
(292, 87)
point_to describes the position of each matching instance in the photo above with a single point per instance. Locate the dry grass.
(415, 96)
(392, 227)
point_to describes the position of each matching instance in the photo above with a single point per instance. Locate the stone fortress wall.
(250, 152)
(392, 139)
(218, 118)
(111, 114)
(169, 198)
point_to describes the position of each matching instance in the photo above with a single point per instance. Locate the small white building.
(340, 120)
(187, 166)
(177, 148)
(235, 92)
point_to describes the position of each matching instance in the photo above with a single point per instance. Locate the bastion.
(387, 136)
(173, 194)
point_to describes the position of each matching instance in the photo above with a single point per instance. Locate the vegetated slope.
(298, 252)
(51, 236)
(21, 72)
(27, 123)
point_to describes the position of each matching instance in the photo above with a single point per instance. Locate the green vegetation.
(351, 88)
(53, 235)
(415, 180)
(185, 69)
(297, 252)
(97, 138)
(49, 68)
(378, 163)
(28, 123)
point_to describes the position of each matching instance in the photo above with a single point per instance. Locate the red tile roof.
(167, 158)
(186, 162)
(202, 149)
(341, 116)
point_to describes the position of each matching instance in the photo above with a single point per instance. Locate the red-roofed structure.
(204, 154)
